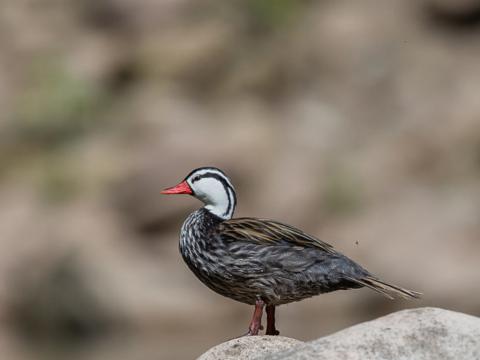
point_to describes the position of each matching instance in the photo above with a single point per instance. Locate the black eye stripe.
(205, 168)
(211, 175)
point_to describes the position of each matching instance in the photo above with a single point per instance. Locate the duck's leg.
(256, 323)
(271, 321)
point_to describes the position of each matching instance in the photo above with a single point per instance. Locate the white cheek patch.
(217, 198)
(212, 190)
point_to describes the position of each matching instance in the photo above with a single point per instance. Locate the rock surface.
(417, 334)
(249, 347)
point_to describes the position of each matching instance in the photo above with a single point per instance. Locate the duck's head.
(211, 186)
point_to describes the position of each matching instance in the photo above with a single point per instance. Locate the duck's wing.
(303, 253)
(269, 232)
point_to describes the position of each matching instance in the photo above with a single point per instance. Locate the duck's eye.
(196, 178)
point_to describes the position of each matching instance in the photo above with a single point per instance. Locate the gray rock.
(417, 334)
(249, 347)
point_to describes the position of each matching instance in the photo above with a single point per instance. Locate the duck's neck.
(196, 228)
(223, 204)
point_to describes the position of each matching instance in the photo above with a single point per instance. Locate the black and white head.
(211, 186)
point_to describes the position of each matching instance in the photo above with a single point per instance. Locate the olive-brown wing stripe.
(270, 232)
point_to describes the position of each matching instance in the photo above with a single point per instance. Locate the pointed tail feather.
(388, 290)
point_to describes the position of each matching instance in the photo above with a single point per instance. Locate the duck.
(261, 262)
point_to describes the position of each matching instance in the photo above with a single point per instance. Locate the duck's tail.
(388, 290)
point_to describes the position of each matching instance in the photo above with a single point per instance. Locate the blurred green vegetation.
(265, 15)
(56, 110)
(59, 179)
(56, 107)
(342, 193)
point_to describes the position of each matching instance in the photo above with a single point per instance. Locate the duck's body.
(246, 269)
(258, 261)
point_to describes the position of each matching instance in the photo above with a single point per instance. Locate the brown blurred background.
(358, 121)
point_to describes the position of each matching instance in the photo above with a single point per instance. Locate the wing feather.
(264, 231)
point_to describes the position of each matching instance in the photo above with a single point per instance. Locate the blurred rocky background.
(358, 121)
